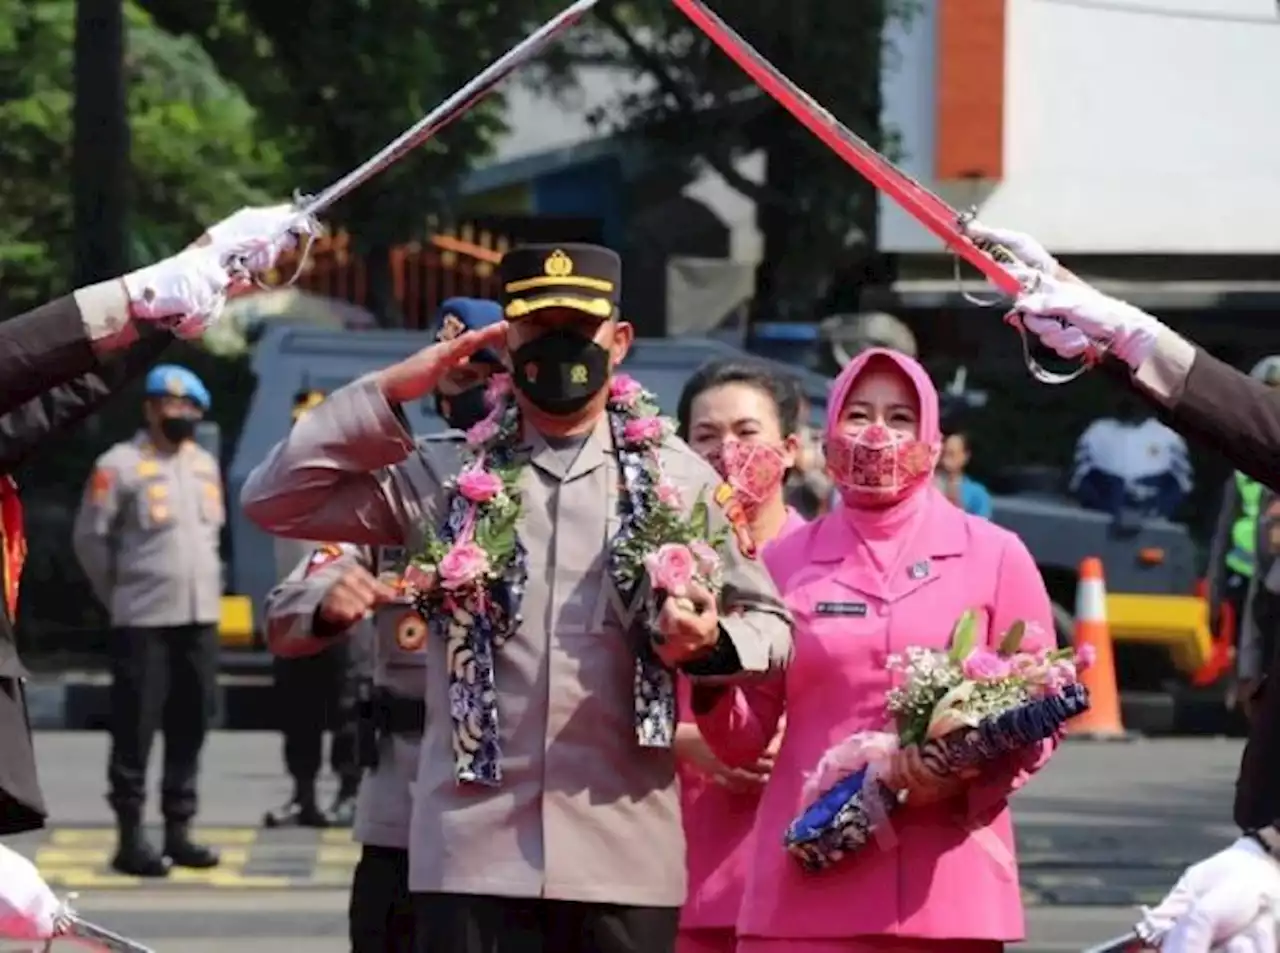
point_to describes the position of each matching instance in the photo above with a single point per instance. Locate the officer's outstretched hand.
(417, 376)
(688, 626)
(28, 908)
(356, 593)
(1228, 902)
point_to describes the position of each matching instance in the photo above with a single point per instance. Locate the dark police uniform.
(58, 364)
(316, 693)
(147, 536)
(579, 847)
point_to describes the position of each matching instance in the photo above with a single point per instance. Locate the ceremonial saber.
(71, 927)
(916, 200)
(310, 207)
(923, 205)
(1129, 943)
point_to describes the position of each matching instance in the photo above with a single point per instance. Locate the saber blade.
(84, 933)
(923, 205)
(449, 110)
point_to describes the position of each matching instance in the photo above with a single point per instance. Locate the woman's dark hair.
(781, 388)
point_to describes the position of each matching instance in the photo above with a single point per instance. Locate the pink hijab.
(886, 531)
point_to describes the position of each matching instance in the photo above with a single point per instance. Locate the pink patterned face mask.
(878, 464)
(754, 470)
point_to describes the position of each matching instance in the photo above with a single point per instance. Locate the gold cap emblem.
(558, 265)
(578, 374)
(450, 328)
(173, 384)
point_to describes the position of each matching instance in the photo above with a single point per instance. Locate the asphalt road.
(1105, 827)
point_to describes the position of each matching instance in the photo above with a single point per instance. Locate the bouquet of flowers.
(962, 707)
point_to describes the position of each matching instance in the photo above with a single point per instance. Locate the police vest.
(1240, 557)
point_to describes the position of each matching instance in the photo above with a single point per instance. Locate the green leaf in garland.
(963, 636)
(1012, 640)
(700, 518)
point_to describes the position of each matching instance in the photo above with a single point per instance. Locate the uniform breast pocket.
(212, 509)
(154, 505)
(839, 631)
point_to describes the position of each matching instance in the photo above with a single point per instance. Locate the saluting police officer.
(570, 838)
(316, 694)
(330, 593)
(147, 537)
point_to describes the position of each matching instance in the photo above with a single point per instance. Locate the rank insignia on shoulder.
(322, 556)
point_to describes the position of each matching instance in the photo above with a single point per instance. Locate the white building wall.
(1133, 126)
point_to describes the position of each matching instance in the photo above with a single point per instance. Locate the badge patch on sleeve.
(411, 632)
(100, 485)
(322, 557)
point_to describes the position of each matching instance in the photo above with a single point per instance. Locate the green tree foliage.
(195, 153)
(339, 79)
(817, 216)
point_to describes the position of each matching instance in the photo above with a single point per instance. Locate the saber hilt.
(1004, 256)
(68, 925)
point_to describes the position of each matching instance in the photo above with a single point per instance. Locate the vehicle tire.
(1064, 626)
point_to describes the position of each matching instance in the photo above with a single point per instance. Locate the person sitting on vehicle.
(1131, 463)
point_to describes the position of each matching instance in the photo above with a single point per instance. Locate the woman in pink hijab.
(744, 418)
(893, 566)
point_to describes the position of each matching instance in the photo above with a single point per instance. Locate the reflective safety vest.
(1240, 557)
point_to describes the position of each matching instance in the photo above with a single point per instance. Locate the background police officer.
(147, 537)
(1232, 557)
(316, 693)
(329, 594)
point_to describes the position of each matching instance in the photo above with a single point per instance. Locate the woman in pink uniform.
(744, 419)
(893, 566)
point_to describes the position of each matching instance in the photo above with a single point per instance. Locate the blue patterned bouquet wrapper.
(844, 819)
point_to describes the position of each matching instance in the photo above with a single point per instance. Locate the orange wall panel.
(970, 94)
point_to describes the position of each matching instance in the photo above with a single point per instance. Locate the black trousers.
(381, 914)
(460, 923)
(161, 679)
(318, 693)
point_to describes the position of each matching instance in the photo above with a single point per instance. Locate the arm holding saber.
(1231, 901)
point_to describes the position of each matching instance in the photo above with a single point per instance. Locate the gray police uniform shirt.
(395, 636)
(147, 534)
(583, 813)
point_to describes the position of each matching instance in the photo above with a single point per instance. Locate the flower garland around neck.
(469, 578)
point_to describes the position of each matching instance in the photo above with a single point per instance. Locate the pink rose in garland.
(644, 430)
(464, 564)
(671, 568)
(496, 390)
(624, 390)
(479, 486)
(482, 432)
(707, 557)
(669, 495)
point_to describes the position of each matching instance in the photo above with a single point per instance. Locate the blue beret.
(170, 380)
(458, 315)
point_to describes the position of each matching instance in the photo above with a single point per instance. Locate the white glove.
(1228, 902)
(1069, 317)
(259, 236)
(28, 908)
(185, 292)
(1023, 247)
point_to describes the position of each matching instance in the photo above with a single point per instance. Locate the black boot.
(299, 811)
(182, 851)
(135, 857)
(343, 811)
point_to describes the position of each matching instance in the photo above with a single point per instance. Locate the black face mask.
(178, 429)
(463, 410)
(561, 371)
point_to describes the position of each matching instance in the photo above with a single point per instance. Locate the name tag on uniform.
(857, 610)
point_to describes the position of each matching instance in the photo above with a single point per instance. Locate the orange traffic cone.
(1102, 719)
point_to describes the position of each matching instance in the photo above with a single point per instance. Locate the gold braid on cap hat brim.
(596, 307)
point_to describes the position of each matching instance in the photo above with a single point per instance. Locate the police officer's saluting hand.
(356, 593)
(58, 364)
(1234, 893)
